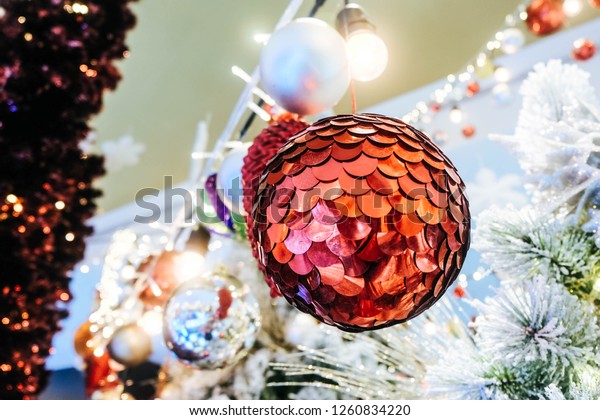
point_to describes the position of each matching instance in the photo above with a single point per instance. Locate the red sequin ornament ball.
(361, 221)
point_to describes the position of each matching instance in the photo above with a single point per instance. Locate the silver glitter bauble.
(211, 322)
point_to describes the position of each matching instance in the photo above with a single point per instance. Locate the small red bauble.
(583, 49)
(545, 16)
(361, 221)
(594, 3)
(99, 373)
(472, 88)
(435, 106)
(264, 147)
(459, 292)
(468, 131)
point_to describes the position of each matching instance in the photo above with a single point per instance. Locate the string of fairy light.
(508, 39)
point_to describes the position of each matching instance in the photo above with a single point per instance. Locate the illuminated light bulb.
(59, 205)
(456, 115)
(368, 55)
(572, 7)
(367, 52)
(70, 237)
(11, 198)
(79, 8)
(261, 38)
(501, 74)
(464, 77)
(485, 67)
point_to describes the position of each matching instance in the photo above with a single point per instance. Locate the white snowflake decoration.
(121, 153)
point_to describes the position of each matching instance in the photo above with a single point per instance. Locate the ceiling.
(182, 51)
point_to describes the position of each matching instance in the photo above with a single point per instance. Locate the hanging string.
(352, 87)
(318, 4)
(353, 96)
(250, 120)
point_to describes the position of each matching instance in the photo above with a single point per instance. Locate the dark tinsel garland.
(56, 61)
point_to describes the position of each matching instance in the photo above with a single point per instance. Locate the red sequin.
(385, 245)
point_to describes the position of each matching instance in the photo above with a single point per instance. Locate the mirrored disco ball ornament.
(211, 322)
(361, 221)
(305, 66)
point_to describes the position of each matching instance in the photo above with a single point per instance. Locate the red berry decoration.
(545, 16)
(361, 221)
(264, 147)
(583, 49)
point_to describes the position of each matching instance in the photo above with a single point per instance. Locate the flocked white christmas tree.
(542, 327)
